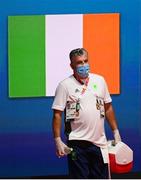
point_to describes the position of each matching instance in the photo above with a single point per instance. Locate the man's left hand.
(117, 136)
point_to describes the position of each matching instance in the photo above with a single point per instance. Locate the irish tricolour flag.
(39, 46)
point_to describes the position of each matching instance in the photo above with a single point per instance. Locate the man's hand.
(116, 136)
(60, 147)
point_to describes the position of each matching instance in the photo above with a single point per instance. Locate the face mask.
(83, 71)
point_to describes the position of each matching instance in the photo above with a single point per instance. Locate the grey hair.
(77, 52)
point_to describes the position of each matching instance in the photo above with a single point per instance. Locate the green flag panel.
(26, 46)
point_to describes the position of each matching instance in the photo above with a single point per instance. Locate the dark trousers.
(86, 161)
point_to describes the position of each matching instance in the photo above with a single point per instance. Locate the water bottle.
(71, 152)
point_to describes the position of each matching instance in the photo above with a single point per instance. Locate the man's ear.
(71, 65)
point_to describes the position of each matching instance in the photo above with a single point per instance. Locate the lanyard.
(79, 97)
(85, 86)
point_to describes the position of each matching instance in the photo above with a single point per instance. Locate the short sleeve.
(60, 98)
(107, 97)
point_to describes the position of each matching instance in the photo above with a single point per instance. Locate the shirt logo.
(77, 90)
(94, 87)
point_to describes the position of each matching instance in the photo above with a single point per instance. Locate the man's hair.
(77, 52)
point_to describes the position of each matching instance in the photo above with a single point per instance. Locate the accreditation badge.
(72, 110)
(100, 106)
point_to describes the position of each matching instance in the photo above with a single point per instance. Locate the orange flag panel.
(101, 39)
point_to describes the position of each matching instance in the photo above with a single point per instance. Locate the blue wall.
(26, 143)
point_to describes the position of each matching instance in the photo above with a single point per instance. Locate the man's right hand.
(60, 147)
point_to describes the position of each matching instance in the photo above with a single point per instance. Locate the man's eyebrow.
(82, 60)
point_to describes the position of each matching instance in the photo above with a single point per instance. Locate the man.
(86, 101)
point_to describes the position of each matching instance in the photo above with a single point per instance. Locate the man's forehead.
(80, 58)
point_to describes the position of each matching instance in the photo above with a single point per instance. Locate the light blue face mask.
(83, 71)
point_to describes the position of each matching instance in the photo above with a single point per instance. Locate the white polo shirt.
(90, 125)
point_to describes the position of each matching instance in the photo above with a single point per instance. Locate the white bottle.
(68, 150)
